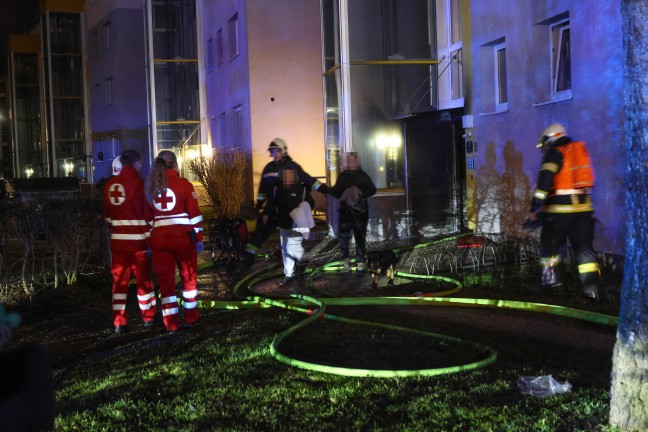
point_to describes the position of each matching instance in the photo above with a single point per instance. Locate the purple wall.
(507, 162)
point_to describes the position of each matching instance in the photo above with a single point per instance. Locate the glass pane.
(173, 136)
(501, 76)
(233, 36)
(331, 33)
(67, 75)
(27, 117)
(376, 135)
(332, 108)
(68, 120)
(176, 91)
(174, 29)
(563, 80)
(455, 21)
(65, 33)
(405, 26)
(456, 75)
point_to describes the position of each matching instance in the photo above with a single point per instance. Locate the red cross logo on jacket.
(117, 194)
(165, 202)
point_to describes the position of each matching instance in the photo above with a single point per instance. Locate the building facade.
(535, 63)
(393, 77)
(48, 100)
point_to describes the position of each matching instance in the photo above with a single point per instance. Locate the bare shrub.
(44, 245)
(222, 177)
(74, 231)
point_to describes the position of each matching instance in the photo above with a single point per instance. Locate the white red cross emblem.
(165, 202)
(117, 194)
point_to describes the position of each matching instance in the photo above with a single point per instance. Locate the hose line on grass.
(301, 303)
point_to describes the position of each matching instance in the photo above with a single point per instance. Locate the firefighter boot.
(590, 283)
(551, 280)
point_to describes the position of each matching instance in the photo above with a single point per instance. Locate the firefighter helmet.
(550, 134)
(116, 166)
(278, 144)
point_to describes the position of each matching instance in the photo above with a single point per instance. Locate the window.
(233, 36)
(98, 100)
(501, 92)
(456, 75)
(560, 59)
(109, 94)
(219, 46)
(237, 127)
(449, 53)
(210, 55)
(95, 42)
(106, 36)
(221, 129)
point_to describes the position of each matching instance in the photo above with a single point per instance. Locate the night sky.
(16, 16)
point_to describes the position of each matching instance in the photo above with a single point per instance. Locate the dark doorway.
(436, 170)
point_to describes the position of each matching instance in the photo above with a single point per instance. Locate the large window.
(27, 146)
(177, 98)
(66, 130)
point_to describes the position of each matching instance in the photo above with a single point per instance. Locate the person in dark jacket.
(271, 177)
(285, 198)
(353, 187)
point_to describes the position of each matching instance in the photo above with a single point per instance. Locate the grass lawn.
(222, 377)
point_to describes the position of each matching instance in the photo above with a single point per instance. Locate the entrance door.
(436, 170)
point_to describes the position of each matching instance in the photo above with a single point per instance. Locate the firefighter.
(176, 237)
(271, 177)
(127, 213)
(562, 204)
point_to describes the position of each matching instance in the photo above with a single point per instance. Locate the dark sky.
(16, 16)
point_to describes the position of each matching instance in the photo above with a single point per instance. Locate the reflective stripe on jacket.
(126, 211)
(177, 209)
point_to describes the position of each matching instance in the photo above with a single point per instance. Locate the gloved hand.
(200, 247)
(532, 222)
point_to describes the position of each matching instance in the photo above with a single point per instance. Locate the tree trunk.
(629, 393)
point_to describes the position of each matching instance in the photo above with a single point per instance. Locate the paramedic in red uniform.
(128, 215)
(176, 237)
(562, 201)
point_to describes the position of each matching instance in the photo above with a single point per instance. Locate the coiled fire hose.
(315, 308)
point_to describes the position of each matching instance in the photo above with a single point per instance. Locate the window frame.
(233, 36)
(499, 105)
(220, 52)
(556, 49)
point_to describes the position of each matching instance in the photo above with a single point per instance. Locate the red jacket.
(126, 211)
(178, 210)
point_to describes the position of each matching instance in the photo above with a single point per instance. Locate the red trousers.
(123, 263)
(168, 251)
